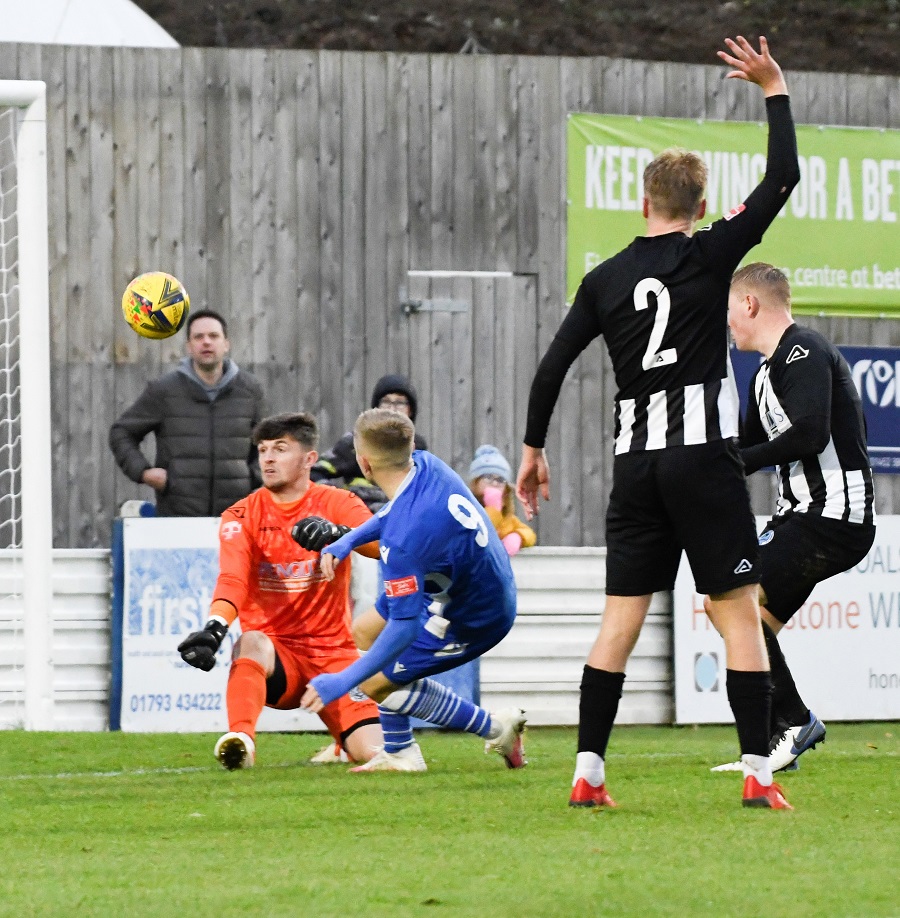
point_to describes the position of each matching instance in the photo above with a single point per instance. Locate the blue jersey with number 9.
(437, 544)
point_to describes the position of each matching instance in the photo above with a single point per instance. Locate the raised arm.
(754, 66)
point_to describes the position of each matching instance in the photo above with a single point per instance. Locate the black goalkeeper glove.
(313, 533)
(199, 648)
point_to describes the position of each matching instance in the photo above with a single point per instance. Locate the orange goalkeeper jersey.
(277, 586)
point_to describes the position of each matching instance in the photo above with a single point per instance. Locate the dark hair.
(206, 314)
(301, 426)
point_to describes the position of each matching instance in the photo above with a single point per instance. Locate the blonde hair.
(766, 279)
(674, 184)
(388, 437)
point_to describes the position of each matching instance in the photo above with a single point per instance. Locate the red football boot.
(585, 794)
(771, 797)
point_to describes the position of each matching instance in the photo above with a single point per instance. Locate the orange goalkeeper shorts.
(285, 688)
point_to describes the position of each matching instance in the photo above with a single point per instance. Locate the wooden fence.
(305, 195)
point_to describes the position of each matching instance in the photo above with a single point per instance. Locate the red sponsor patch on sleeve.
(405, 586)
(735, 211)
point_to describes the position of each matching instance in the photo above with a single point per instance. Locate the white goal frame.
(29, 97)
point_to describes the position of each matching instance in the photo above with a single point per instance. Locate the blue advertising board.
(876, 373)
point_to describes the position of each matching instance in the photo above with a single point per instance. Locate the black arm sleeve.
(802, 438)
(127, 433)
(803, 389)
(578, 329)
(751, 427)
(725, 242)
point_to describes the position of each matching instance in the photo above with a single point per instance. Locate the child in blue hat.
(489, 480)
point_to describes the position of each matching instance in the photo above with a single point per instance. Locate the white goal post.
(28, 99)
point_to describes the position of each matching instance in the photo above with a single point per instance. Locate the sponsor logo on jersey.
(766, 537)
(797, 353)
(289, 576)
(384, 551)
(735, 211)
(399, 668)
(239, 512)
(230, 529)
(743, 567)
(403, 586)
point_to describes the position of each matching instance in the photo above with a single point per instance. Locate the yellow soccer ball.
(156, 305)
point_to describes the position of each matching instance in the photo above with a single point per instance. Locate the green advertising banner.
(837, 239)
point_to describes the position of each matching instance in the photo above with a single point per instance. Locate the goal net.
(26, 671)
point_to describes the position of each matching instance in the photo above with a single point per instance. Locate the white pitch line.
(192, 769)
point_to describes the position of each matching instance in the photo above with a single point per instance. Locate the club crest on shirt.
(403, 586)
(797, 353)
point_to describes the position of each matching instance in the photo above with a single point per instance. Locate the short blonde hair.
(675, 183)
(764, 278)
(388, 437)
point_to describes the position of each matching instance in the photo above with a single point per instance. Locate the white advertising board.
(843, 644)
(171, 566)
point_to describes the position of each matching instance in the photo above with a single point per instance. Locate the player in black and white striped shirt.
(804, 416)
(661, 305)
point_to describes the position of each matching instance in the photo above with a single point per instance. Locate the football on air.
(156, 305)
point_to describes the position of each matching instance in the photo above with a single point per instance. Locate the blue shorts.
(437, 649)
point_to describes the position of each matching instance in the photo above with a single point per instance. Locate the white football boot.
(795, 741)
(509, 742)
(408, 759)
(329, 755)
(235, 750)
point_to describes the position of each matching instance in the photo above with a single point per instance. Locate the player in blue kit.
(437, 546)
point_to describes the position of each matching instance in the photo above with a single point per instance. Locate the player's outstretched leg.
(431, 701)
(598, 704)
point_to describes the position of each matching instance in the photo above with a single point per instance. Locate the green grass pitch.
(123, 824)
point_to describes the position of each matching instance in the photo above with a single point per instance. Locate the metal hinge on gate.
(411, 307)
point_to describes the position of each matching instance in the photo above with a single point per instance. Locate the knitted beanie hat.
(394, 382)
(489, 461)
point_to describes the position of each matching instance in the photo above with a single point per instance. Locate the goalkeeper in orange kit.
(295, 624)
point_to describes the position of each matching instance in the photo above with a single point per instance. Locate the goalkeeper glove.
(199, 648)
(313, 533)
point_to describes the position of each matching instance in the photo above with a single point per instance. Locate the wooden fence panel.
(295, 191)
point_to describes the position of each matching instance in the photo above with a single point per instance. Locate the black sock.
(750, 697)
(600, 694)
(788, 709)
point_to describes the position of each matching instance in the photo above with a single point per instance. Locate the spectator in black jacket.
(339, 467)
(203, 413)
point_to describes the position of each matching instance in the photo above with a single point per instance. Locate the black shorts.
(798, 551)
(683, 498)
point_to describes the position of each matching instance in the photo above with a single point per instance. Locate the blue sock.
(397, 730)
(431, 701)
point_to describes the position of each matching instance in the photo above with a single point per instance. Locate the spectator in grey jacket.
(339, 467)
(203, 413)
